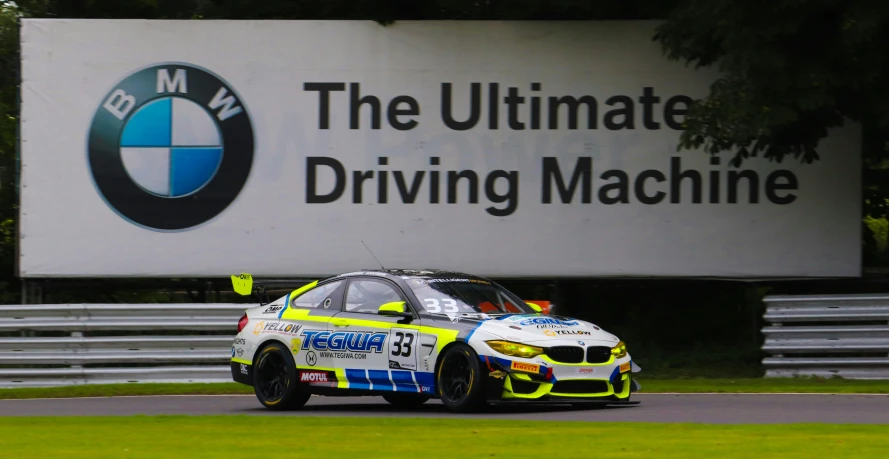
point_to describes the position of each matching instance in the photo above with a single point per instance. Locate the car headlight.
(515, 349)
(619, 351)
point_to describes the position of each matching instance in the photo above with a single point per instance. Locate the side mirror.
(534, 306)
(395, 308)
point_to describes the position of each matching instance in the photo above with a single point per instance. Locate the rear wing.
(244, 284)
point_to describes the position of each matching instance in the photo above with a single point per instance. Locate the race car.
(415, 335)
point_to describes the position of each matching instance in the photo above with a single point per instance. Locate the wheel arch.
(444, 351)
(264, 344)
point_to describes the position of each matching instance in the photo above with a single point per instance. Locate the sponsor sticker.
(272, 309)
(345, 342)
(625, 367)
(566, 332)
(526, 367)
(526, 320)
(586, 371)
(313, 376)
(282, 328)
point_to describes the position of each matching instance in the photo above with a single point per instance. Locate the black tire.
(459, 380)
(406, 400)
(274, 379)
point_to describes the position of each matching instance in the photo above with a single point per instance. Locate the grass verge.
(234, 436)
(130, 389)
(737, 385)
(765, 385)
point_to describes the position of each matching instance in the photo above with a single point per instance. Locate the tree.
(793, 69)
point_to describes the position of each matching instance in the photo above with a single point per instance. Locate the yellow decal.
(294, 345)
(497, 374)
(625, 367)
(258, 328)
(528, 367)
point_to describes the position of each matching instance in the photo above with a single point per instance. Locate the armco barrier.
(115, 343)
(827, 335)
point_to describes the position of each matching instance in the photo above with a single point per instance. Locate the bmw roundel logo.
(171, 146)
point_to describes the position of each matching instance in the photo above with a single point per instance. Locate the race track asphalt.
(697, 408)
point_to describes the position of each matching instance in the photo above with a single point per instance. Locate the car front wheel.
(459, 380)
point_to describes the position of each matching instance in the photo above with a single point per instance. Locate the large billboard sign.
(204, 148)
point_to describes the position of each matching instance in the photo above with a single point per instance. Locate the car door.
(375, 351)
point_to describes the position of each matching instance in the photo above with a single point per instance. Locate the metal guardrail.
(65, 344)
(116, 343)
(827, 335)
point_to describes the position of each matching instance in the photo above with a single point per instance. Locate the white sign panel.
(205, 148)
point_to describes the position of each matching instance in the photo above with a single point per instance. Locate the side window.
(319, 297)
(368, 295)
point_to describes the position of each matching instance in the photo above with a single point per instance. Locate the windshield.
(465, 296)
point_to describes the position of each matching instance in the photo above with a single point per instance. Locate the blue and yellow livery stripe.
(378, 380)
(390, 380)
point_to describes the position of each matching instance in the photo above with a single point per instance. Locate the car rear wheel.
(459, 381)
(274, 379)
(406, 400)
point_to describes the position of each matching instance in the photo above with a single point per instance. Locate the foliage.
(792, 70)
(880, 229)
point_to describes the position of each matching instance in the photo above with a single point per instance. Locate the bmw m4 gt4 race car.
(412, 335)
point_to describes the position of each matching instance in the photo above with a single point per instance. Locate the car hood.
(542, 329)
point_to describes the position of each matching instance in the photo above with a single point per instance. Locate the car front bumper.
(507, 384)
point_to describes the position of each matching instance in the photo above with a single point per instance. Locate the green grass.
(321, 437)
(770, 385)
(738, 385)
(108, 390)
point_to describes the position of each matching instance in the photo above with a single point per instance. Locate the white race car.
(412, 335)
